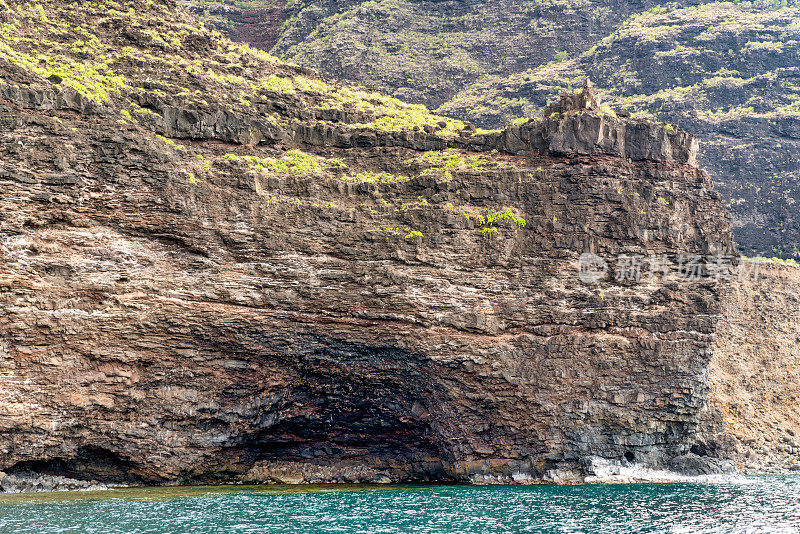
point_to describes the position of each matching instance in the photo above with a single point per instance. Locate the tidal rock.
(32, 482)
(694, 465)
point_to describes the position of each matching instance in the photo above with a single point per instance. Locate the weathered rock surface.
(30, 482)
(727, 71)
(754, 398)
(218, 307)
(259, 25)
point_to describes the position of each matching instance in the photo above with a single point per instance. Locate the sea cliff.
(221, 268)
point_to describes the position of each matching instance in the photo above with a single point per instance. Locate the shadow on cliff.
(89, 462)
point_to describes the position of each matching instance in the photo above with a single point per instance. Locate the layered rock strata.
(755, 383)
(205, 293)
(587, 133)
(727, 71)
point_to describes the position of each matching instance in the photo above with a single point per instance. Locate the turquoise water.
(759, 504)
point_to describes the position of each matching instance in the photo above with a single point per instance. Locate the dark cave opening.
(88, 463)
(347, 402)
(342, 429)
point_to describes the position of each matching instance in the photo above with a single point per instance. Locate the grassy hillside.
(728, 72)
(137, 56)
(425, 52)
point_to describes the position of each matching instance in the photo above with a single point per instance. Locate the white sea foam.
(614, 471)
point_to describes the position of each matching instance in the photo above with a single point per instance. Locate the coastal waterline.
(753, 504)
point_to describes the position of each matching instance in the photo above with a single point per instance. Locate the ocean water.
(755, 504)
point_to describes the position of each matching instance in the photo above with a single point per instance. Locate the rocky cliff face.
(755, 384)
(727, 71)
(217, 267)
(259, 23)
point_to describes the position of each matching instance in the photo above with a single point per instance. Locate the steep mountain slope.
(218, 267)
(422, 51)
(725, 70)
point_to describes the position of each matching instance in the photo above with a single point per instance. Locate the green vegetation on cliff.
(158, 60)
(725, 70)
(219, 267)
(423, 52)
(211, 111)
